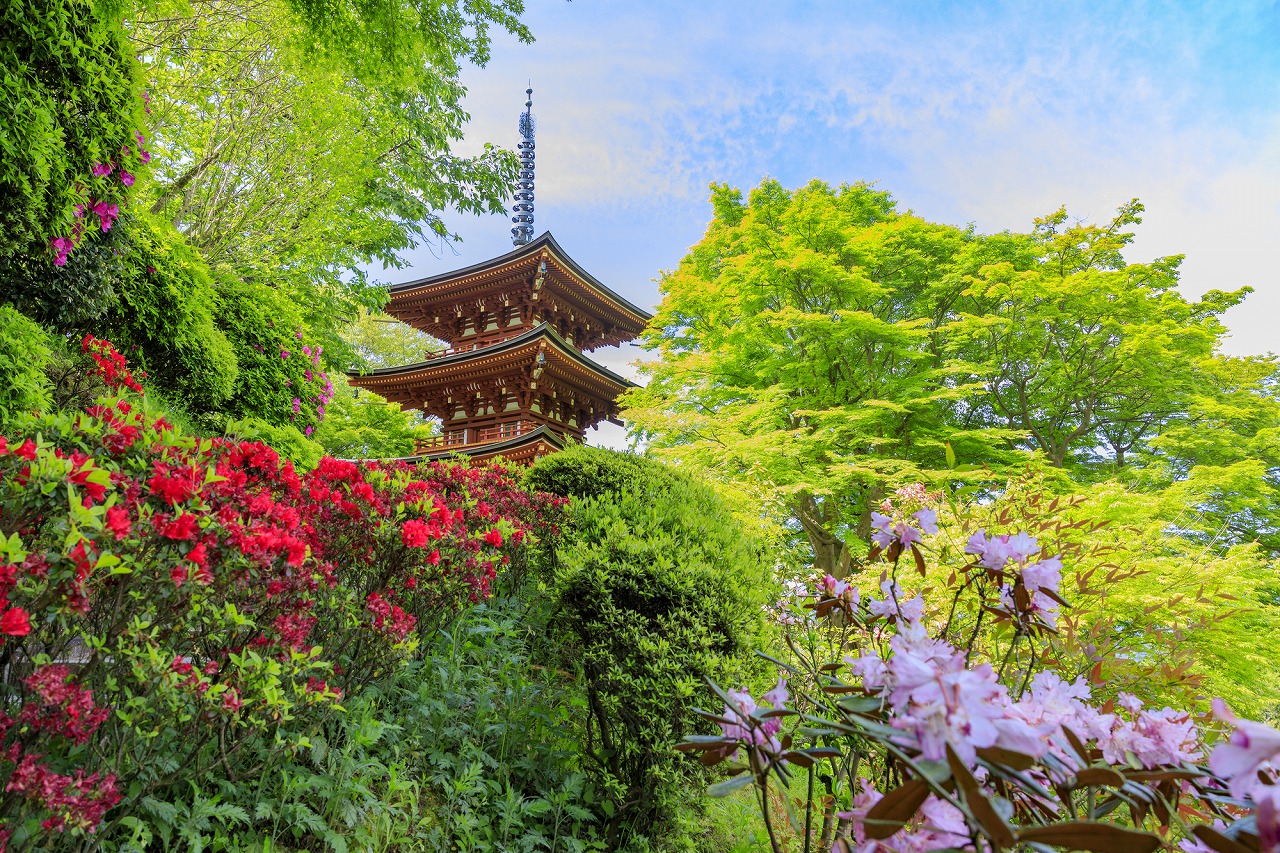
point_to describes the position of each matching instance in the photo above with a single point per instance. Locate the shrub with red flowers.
(914, 730)
(177, 609)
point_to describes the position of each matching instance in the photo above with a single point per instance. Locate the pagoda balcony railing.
(472, 347)
(474, 436)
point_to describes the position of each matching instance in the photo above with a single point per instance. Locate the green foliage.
(380, 340)
(69, 84)
(658, 588)
(263, 325)
(818, 348)
(70, 298)
(164, 318)
(366, 426)
(24, 352)
(266, 180)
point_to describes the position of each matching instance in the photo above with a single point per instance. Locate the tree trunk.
(830, 554)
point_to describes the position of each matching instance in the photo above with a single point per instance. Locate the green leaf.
(1094, 837)
(727, 787)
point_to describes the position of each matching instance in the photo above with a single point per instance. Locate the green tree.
(364, 426)
(1086, 356)
(820, 346)
(328, 147)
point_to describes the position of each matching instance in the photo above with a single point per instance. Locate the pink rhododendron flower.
(895, 603)
(928, 521)
(126, 178)
(1250, 747)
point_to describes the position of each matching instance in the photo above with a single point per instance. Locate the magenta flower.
(101, 170)
(60, 261)
(126, 178)
(145, 156)
(284, 353)
(309, 430)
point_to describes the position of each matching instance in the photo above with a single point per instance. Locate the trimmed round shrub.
(658, 588)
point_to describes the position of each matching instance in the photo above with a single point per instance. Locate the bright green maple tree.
(819, 346)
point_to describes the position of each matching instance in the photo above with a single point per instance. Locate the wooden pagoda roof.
(431, 304)
(398, 384)
(522, 448)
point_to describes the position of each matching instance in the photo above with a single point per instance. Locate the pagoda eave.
(538, 282)
(523, 449)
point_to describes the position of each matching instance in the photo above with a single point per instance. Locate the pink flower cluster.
(936, 701)
(937, 826)
(106, 210)
(886, 530)
(324, 396)
(761, 735)
(1029, 590)
(1248, 760)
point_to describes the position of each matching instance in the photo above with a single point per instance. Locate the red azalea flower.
(494, 538)
(15, 622)
(118, 522)
(197, 555)
(182, 527)
(415, 533)
(231, 700)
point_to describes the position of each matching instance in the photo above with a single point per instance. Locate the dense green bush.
(24, 351)
(657, 589)
(163, 317)
(72, 297)
(282, 379)
(70, 93)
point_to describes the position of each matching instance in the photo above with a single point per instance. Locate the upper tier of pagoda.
(537, 283)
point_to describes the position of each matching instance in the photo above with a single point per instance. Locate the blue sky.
(990, 115)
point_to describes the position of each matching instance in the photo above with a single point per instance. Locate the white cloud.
(990, 117)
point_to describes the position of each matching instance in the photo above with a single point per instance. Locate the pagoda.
(513, 380)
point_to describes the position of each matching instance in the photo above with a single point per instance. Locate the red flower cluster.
(209, 575)
(64, 708)
(111, 364)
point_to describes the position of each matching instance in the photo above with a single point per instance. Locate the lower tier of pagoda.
(529, 394)
(523, 447)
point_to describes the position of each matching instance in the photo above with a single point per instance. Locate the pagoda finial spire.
(523, 232)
